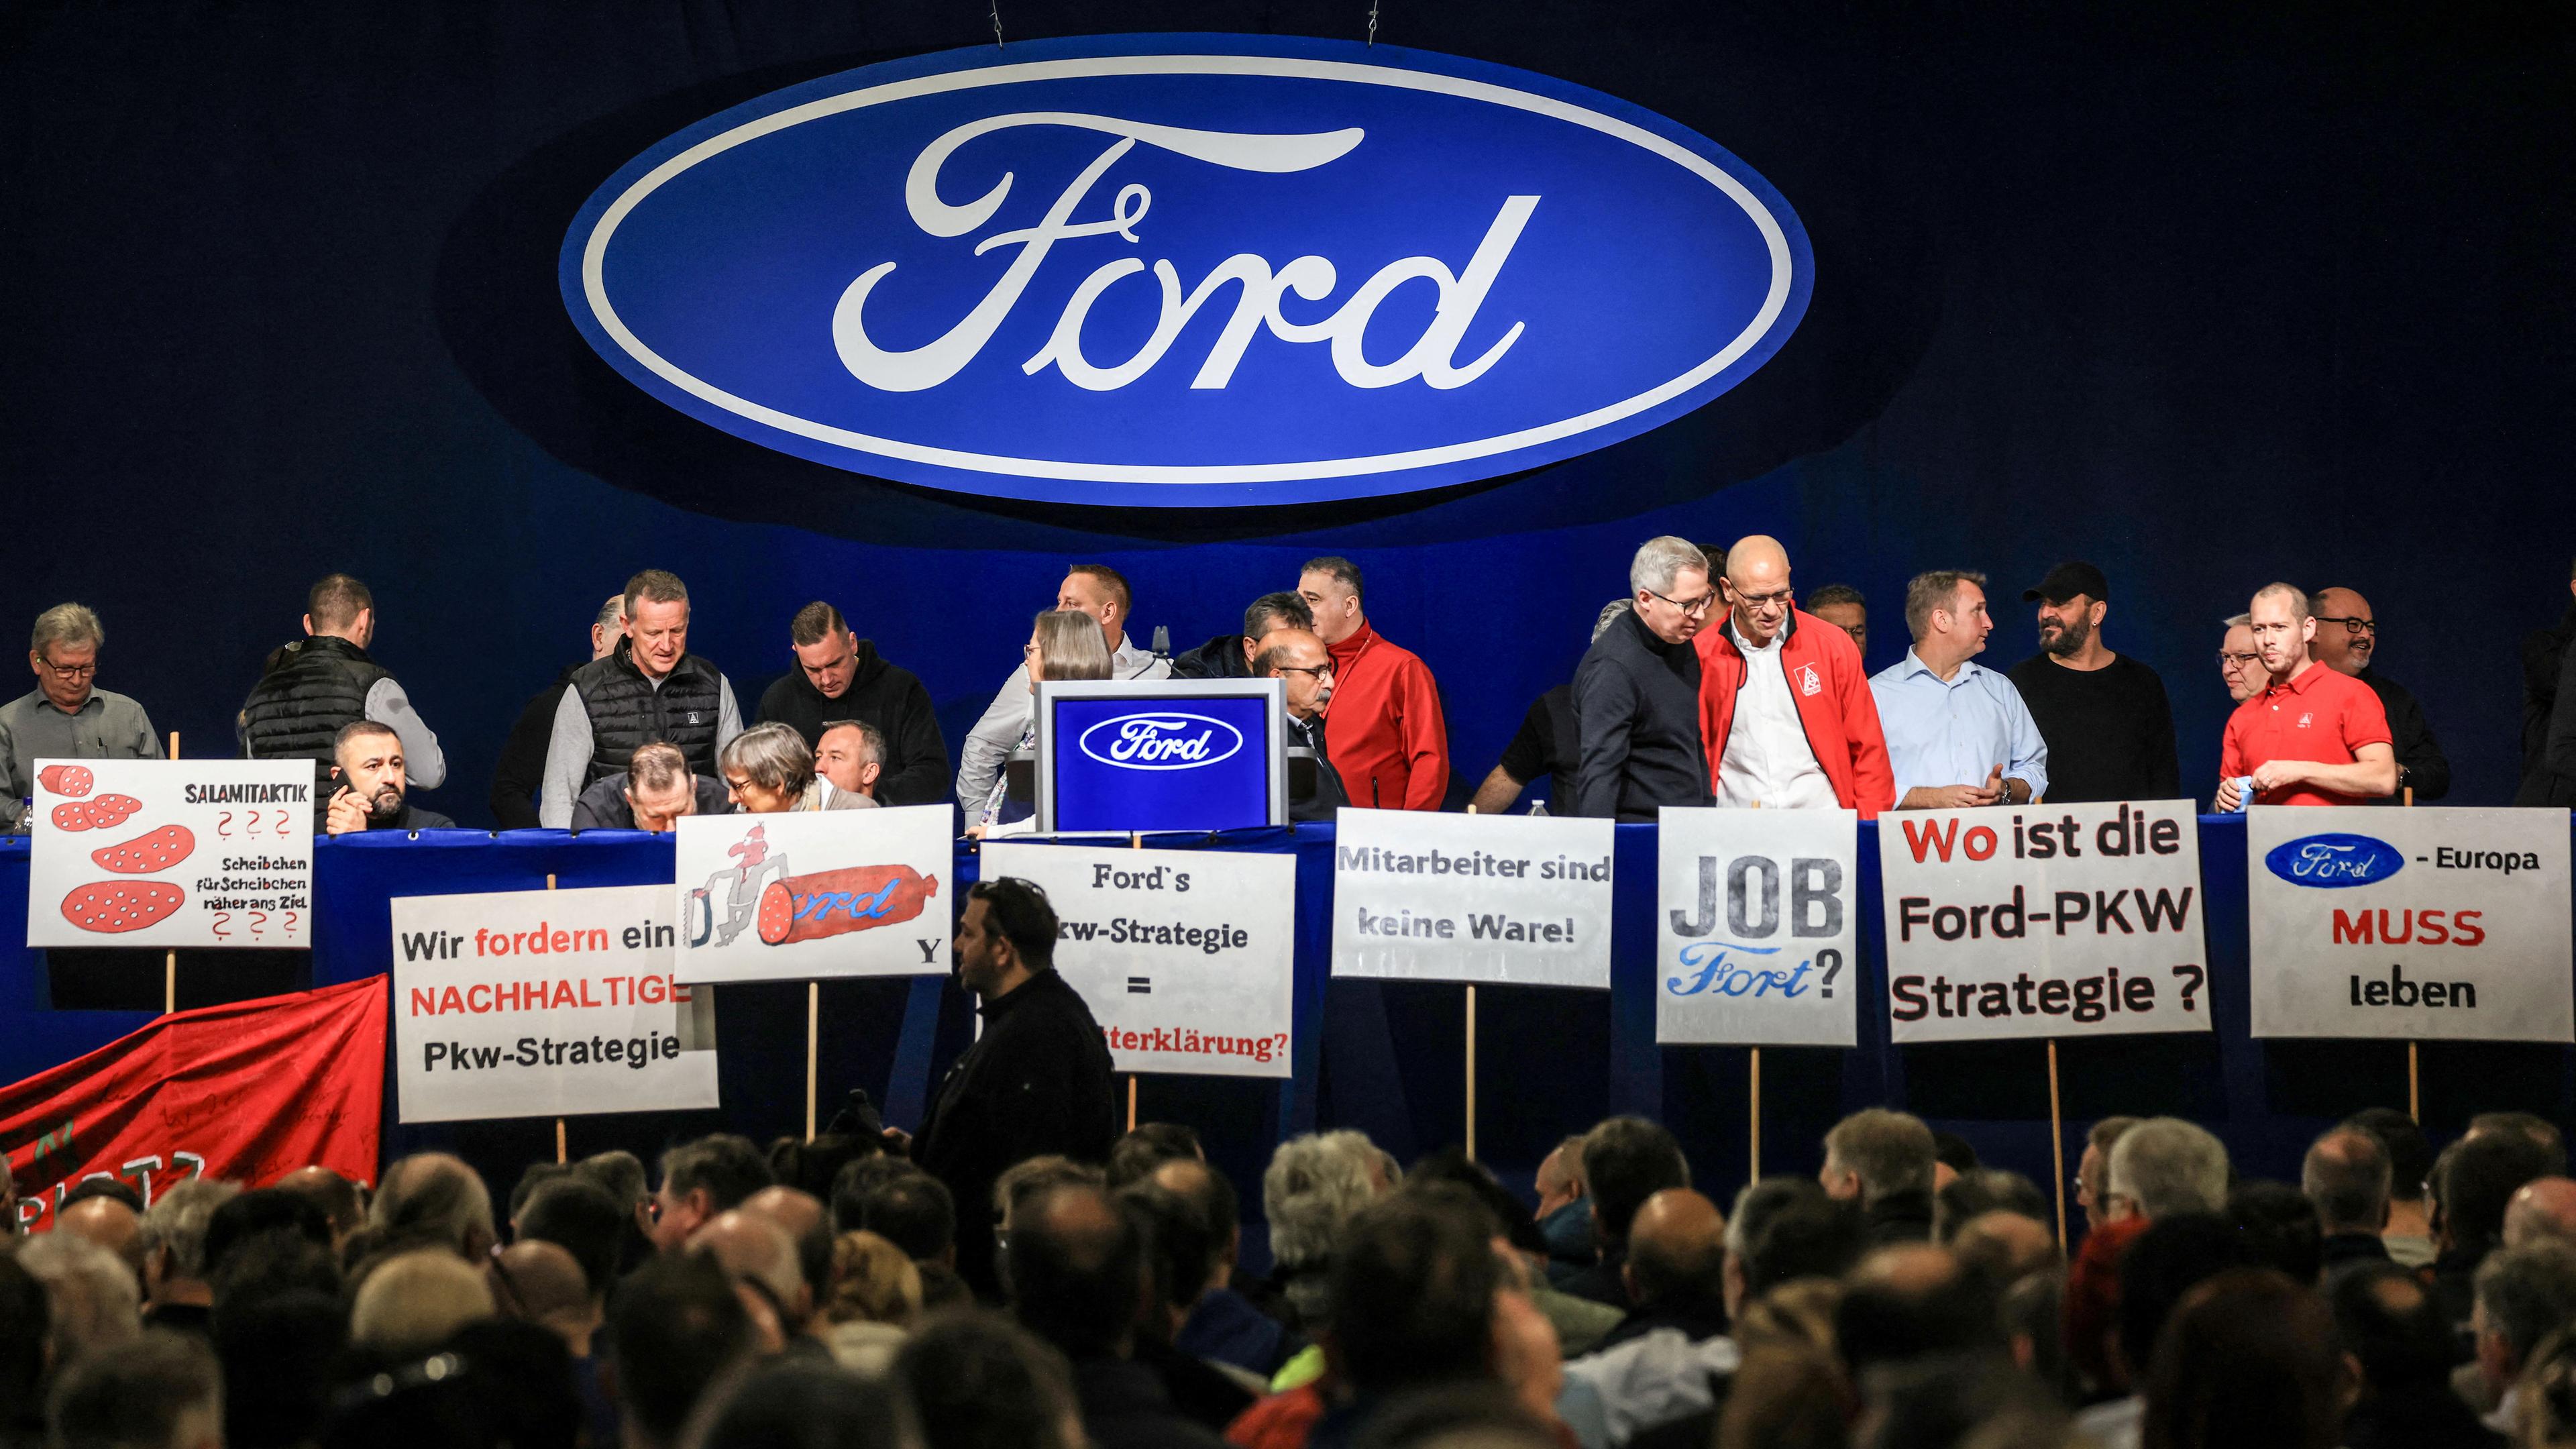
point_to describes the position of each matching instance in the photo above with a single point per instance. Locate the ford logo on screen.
(1160, 741)
(2334, 862)
(1186, 271)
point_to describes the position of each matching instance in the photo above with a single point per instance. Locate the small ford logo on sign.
(1160, 741)
(2334, 862)
(1186, 270)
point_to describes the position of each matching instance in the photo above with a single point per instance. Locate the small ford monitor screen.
(1125, 764)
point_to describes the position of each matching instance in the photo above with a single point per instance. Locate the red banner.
(246, 1092)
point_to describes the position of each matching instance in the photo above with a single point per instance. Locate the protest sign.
(2043, 920)
(2433, 923)
(167, 853)
(804, 896)
(545, 1004)
(1519, 899)
(1757, 927)
(1182, 955)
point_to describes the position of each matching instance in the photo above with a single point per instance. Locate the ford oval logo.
(1162, 740)
(2334, 862)
(1186, 270)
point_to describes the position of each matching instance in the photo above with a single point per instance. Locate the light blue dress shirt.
(1953, 732)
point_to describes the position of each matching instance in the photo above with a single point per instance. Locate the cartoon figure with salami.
(740, 884)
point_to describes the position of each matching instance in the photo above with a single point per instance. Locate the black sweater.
(887, 696)
(1636, 708)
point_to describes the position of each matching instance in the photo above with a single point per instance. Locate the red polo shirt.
(2321, 715)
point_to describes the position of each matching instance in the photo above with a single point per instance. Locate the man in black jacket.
(1304, 667)
(1078, 1271)
(1229, 656)
(839, 675)
(1883, 1160)
(2347, 637)
(522, 768)
(1036, 1081)
(1636, 693)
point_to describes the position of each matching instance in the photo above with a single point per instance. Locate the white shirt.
(1653, 1379)
(989, 744)
(1767, 760)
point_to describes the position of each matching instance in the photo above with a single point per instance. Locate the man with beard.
(2347, 639)
(369, 780)
(2109, 729)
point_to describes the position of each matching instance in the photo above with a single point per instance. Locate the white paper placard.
(1184, 956)
(1757, 927)
(166, 853)
(808, 895)
(545, 1004)
(1519, 899)
(2043, 920)
(2431, 923)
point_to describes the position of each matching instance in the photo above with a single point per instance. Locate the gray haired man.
(67, 716)
(1636, 693)
(2165, 1166)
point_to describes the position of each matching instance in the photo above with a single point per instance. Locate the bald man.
(2311, 735)
(1655, 1367)
(1785, 710)
(2347, 641)
(2544, 1207)
(110, 1224)
(761, 1258)
(542, 1283)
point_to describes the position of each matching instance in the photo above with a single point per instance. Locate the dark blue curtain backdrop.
(2205, 295)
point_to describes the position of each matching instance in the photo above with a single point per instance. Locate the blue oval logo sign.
(1163, 740)
(2334, 862)
(1186, 271)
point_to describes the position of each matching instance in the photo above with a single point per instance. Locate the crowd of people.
(1707, 684)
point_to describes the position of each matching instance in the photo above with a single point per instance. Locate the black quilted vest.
(299, 707)
(626, 713)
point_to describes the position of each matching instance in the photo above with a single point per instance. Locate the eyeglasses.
(1320, 671)
(2236, 661)
(68, 673)
(1778, 598)
(2353, 625)
(1693, 606)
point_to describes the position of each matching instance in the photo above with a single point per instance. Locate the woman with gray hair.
(770, 771)
(1313, 1186)
(1063, 644)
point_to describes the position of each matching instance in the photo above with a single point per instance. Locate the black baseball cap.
(2066, 581)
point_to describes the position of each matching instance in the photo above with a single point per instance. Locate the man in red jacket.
(1384, 731)
(1785, 709)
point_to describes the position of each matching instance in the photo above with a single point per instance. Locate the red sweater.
(1834, 703)
(1384, 729)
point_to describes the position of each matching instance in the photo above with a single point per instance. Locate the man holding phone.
(368, 784)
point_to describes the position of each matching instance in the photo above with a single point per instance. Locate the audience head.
(1627, 1160)
(1945, 610)
(660, 787)
(2249, 1358)
(1077, 1266)
(912, 1210)
(2394, 1328)
(431, 1199)
(1281, 610)
(621, 1174)
(584, 1219)
(2410, 1157)
(978, 1381)
(1211, 1194)
(1413, 1296)
(1133, 1157)
(608, 627)
(1814, 1236)
(851, 754)
(2523, 1295)
(811, 1406)
(2282, 624)
(1842, 606)
(1333, 592)
(1100, 592)
(92, 1301)
(1560, 1176)
(367, 761)
(761, 1257)
(2346, 1175)
(657, 622)
(161, 1390)
(2477, 1178)
(342, 1204)
(108, 1222)
(2005, 1244)
(2276, 1226)
(1874, 1153)
(1676, 1250)
(1758, 595)
(2529, 1124)
(2092, 1170)
(873, 1281)
(767, 768)
(701, 1179)
(2543, 1208)
(2240, 664)
(808, 1224)
(1912, 1300)
(174, 1238)
(1023, 1182)
(1669, 587)
(26, 1331)
(677, 1327)
(2165, 1165)
(1298, 659)
(538, 1282)
(63, 652)
(1005, 935)
(1066, 644)
(1756, 1204)
(2346, 630)
(1181, 1254)
(1983, 1190)
(340, 606)
(413, 1301)
(826, 648)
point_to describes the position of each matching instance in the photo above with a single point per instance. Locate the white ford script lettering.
(1162, 741)
(1432, 357)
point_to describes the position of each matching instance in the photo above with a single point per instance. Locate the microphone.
(1162, 642)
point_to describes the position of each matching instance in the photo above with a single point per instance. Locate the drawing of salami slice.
(144, 854)
(72, 780)
(113, 906)
(102, 813)
(829, 903)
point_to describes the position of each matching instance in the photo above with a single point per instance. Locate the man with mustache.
(367, 775)
(2109, 728)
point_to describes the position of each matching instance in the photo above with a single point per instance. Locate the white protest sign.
(164, 853)
(1182, 955)
(1757, 927)
(545, 1004)
(2425, 923)
(2043, 920)
(806, 895)
(1521, 899)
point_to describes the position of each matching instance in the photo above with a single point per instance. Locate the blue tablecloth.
(1386, 1058)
